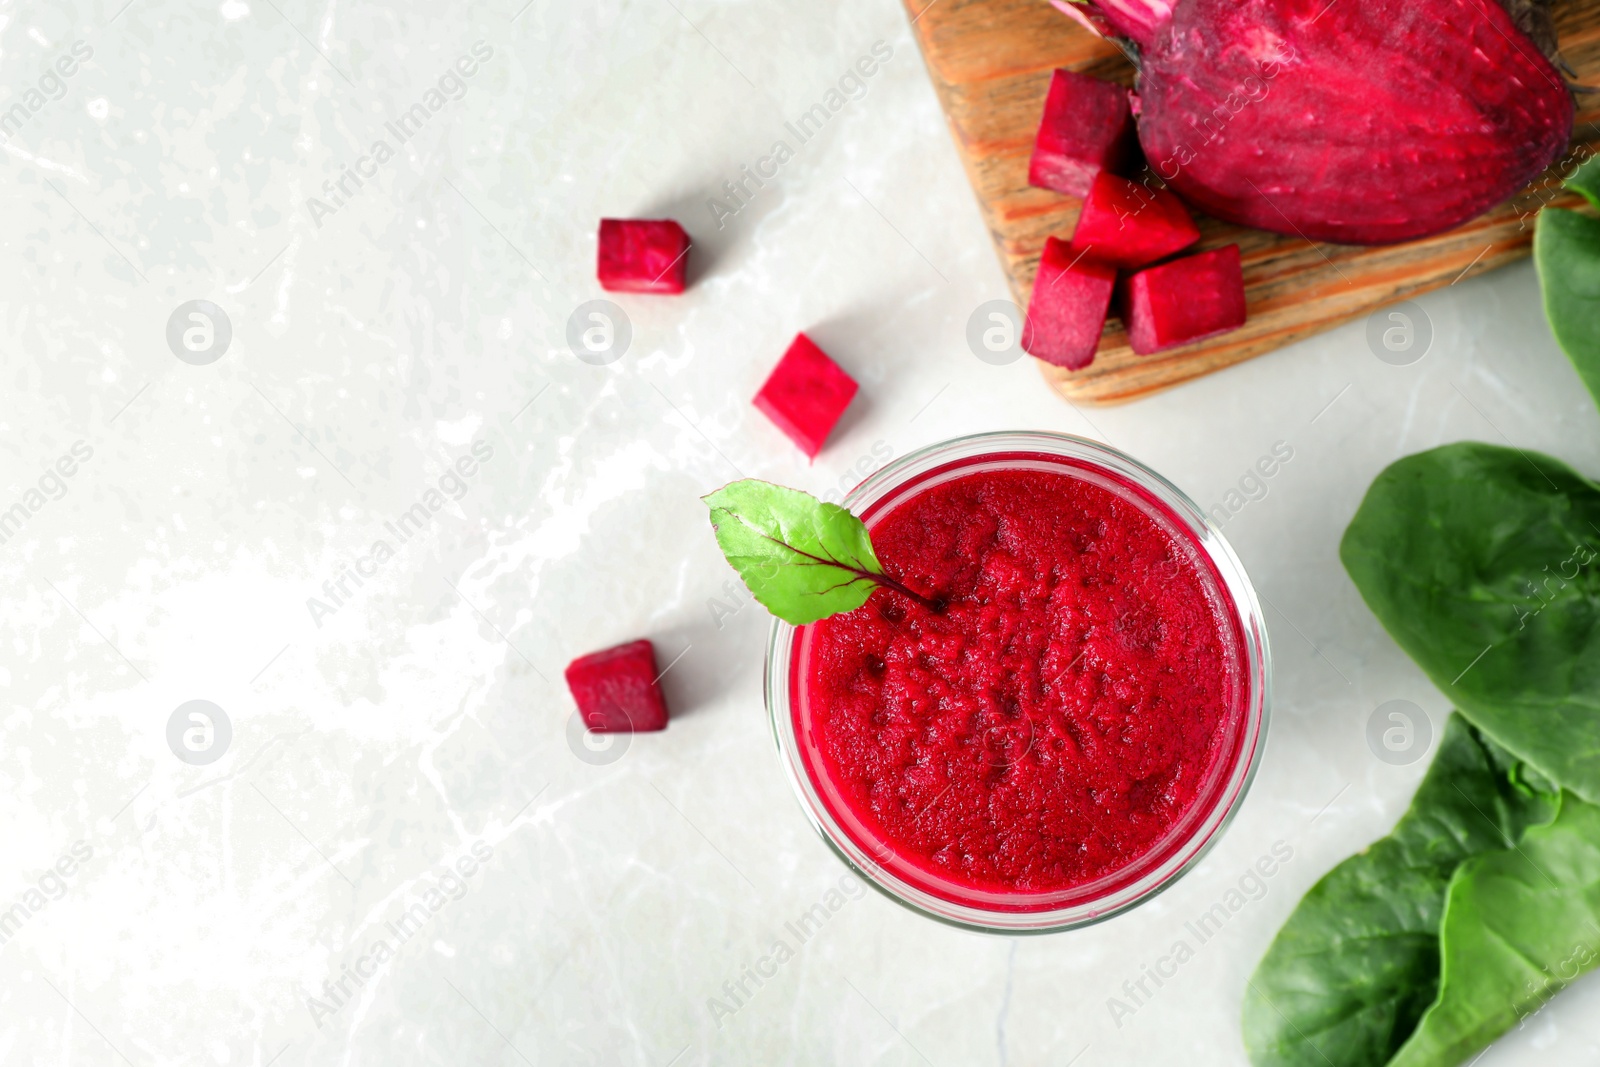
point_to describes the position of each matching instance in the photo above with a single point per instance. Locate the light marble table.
(399, 747)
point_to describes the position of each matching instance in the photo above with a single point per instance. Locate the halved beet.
(1182, 301)
(805, 394)
(643, 256)
(1067, 311)
(1364, 123)
(1087, 127)
(618, 690)
(1129, 225)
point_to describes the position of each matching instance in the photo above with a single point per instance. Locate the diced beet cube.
(616, 689)
(1129, 225)
(805, 394)
(1182, 301)
(1067, 311)
(643, 255)
(1087, 127)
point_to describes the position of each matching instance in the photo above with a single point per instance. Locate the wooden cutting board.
(991, 61)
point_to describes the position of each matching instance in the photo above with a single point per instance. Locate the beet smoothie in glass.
(1068, 724)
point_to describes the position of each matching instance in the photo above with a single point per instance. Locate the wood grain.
(990, 61)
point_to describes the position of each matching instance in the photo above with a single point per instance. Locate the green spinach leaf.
(1519, 926)
(1586, 180)
(1479, 561)
(1566, 252)
(1357, 963)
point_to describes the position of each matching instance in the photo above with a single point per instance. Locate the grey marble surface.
(400, 746)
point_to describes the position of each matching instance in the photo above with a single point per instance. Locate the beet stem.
(1138, 20)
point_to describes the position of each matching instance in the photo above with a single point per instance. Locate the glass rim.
(1181, 854)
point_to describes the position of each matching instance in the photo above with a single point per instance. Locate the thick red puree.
(1051, 723)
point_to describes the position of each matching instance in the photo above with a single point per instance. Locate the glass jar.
(1184, 841)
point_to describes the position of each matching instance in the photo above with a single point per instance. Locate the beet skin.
(1356, 121)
